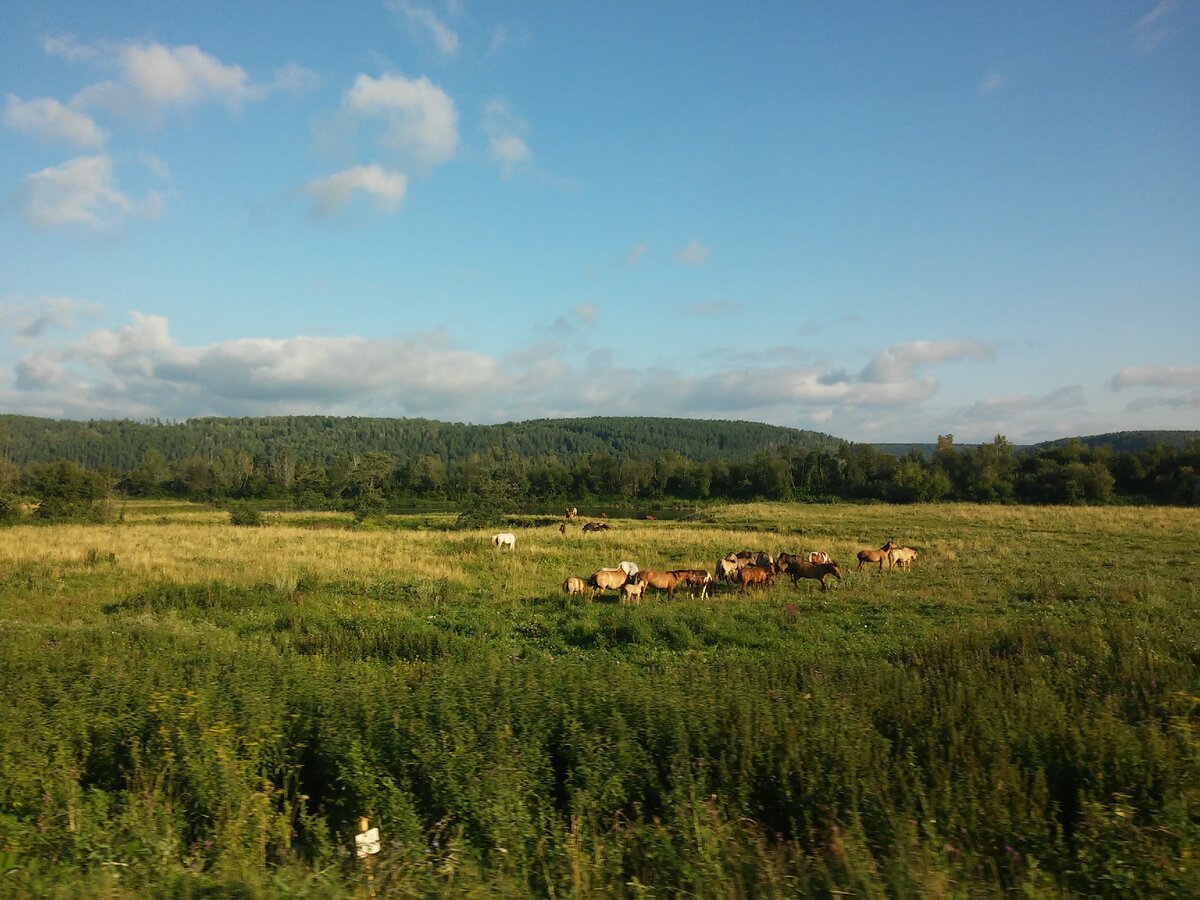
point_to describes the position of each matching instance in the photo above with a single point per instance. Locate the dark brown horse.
(820, 571)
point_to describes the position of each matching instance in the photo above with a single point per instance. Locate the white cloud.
(331, 195)
(181, 76)
(509, 150)
(129, 347)
(154, 164)
(694, 253)
(572, 330)
(156, 78)
(81, 193)
(35, 373)
(1166, 387)
(993, 82)
(420, 120)
(140, 370)
(291, 78)
(50, 120)
(1002, 409)
(505, 131)
(898, 363)
(636, 252)
(423, 22)
(30, 319)
(1186, 400)
(1157, 377)
(1151, 30)
(68, 47)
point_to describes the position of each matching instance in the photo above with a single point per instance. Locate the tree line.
(122, 445)
(500, 479)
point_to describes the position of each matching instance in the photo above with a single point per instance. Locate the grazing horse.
(632, 591)
(875, 556)
(662, 581)
(817, 571)
(784, 558)
(572, 512)
(607, 580)
(695, 578)
(756, 575)
(506, 539)
(727, 569)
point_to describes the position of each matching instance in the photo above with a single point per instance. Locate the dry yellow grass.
(204, 549)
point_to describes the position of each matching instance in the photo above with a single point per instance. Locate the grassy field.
(194, 709)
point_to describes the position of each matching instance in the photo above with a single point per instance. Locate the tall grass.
(192, 707)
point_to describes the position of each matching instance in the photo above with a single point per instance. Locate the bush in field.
(11, 508)
(66, 491)
(244, 514)
(493, 499)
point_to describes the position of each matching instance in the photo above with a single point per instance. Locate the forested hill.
(1131, 441)
(122, 445)
(1117, 441)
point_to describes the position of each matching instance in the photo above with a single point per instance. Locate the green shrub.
(11, 508)
(244, 514)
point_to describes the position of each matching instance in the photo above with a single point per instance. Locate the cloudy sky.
(884, 221)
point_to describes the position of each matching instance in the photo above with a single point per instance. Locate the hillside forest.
(74, 469)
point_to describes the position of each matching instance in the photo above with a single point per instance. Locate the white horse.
(507, 539)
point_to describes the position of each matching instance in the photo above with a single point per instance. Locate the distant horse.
(507, 539)
(876, 556)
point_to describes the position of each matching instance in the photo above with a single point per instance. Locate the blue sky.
(884, 221)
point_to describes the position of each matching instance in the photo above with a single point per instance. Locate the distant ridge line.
(122, 443)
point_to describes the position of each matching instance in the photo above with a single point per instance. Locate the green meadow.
(191, 708)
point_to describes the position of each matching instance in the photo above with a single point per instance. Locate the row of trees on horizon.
(374, 482)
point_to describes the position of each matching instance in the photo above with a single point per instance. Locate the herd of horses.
(745, 568)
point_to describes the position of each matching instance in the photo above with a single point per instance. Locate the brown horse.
(763, 575)
(662, 581)
(819, 571)
(875, 556)
(694, 578)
